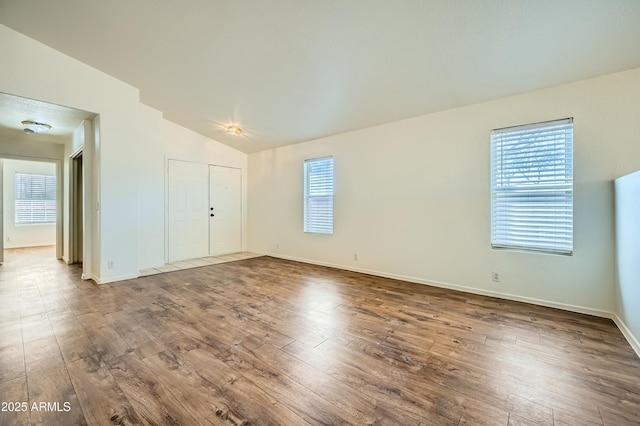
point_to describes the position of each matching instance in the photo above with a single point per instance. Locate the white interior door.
(225, 210)
(188, 210)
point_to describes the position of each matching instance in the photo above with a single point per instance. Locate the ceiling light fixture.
(35, 127)
(234, 130)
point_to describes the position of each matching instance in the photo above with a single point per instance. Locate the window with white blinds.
(35, 198)
(532, 187)
(318, 195)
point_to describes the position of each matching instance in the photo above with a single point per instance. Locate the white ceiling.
(63, 120)
(294, 70)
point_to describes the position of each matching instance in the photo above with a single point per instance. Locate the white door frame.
(76, 207)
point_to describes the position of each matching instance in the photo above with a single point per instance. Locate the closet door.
(225, 210)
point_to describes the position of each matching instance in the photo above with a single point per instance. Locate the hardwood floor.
(272, 342)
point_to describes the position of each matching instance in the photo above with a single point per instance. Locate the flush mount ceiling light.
(35, 127)
(234, 130)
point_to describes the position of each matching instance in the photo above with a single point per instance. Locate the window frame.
(532, 187)
(319, 218)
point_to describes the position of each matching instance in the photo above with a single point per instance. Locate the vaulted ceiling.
(294, 70)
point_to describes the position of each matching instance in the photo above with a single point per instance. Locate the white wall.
(126, 157)
(32, 70)
(151, 204)
(30, 149)
(413, 197)
(161, 140)
(628, 254)
(24, 235)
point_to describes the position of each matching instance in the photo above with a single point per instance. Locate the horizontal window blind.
(318, 195)
(532, 187)
(35, 198)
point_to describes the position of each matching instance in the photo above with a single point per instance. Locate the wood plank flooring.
(265, 341)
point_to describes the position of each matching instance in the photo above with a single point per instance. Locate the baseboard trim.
(635, 344)
(20, 246)
(114, 279)
(441, 284)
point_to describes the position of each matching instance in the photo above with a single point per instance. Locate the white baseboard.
(27, 245)
(633, 341)
(473, 290)
(114, 279)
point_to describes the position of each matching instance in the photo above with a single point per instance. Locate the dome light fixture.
(32, 127)
(234, 130)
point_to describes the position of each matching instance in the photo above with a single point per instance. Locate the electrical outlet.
(111, 264)
(495, 276)
(277, 246)
(355, 256)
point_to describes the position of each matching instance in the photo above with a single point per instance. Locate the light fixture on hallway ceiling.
(234, 130)
(32, 127)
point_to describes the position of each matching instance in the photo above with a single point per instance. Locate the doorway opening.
(69, 142)
(30, 203)
(76, 209)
